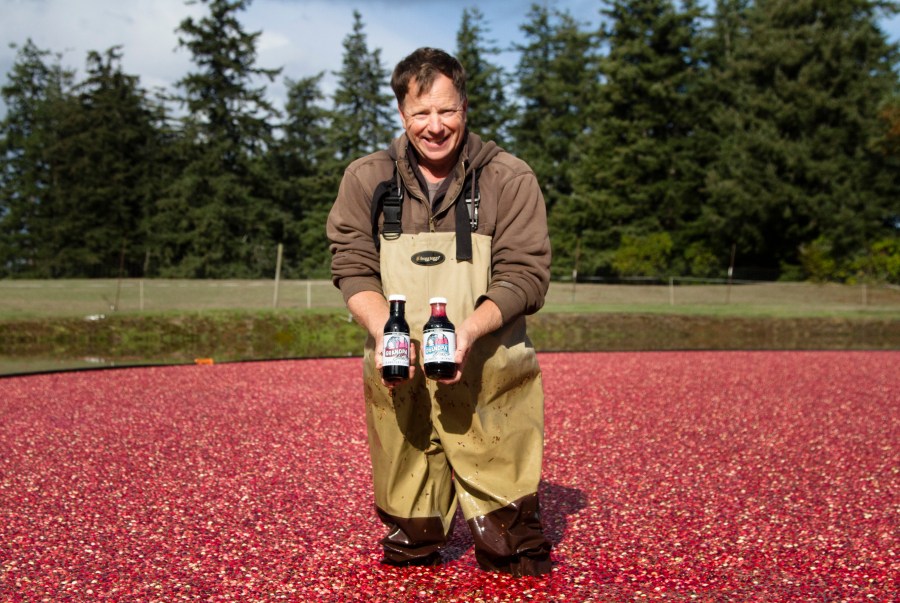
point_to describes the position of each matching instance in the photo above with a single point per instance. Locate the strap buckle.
(392, 208)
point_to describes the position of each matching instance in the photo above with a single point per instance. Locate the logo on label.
(396, 347)
(439, 346)
(428, 258)
(395, 351)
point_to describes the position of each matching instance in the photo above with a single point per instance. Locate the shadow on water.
(558, 503)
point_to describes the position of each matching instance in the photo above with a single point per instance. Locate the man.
(443, 213)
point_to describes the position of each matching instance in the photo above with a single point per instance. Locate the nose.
(435, 123)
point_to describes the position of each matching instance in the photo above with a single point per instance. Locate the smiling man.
(442, 213)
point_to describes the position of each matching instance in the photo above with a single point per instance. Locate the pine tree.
(363, 114)
(218, 218)
(490, 111)
(108, 170)
(889, 114)
(638, 175)
(309, 175)
(798, 173)
(557, 78)
(38, 97)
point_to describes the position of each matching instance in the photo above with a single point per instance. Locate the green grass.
(770, 310)
(176, 338)
(753, 299)
(54, 325)
(37, 299)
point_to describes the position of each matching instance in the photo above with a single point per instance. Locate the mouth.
(435, 144)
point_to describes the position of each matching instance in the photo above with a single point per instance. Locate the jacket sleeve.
(520, 264)
(355, 263)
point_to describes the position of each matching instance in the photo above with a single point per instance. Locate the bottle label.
(439, 346)
(396, 350)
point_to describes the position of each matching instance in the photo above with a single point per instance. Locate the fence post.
(730, 273)
(277, 275)
(671, 290)
(308, 295)
(575, 267)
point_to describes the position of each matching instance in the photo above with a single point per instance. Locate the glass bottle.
(395, 344)
(439, 342)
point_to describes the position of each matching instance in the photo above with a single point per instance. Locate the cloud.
(145, 29)
(301, 37)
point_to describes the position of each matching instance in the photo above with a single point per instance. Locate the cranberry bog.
(668, 476)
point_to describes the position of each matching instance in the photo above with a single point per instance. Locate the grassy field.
(28, 299)
(55, 325)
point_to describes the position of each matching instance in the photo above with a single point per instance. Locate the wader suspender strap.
(467, 217)
(388, 199)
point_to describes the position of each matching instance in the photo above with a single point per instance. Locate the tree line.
(673, 139)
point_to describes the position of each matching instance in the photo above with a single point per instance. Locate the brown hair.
(424, 64)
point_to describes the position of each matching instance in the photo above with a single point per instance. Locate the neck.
(434, 176)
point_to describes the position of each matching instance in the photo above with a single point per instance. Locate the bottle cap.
(438, 300)
(397, 297)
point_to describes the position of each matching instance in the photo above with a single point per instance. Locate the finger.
(455, 379)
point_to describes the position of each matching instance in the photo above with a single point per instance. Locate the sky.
(302, 37)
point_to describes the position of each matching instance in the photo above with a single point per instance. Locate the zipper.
(459, 197)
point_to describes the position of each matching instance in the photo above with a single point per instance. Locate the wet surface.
(669, 476)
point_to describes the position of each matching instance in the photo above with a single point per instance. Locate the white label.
(395, 351)
(439, 346)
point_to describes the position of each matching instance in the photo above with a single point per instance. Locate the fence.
(35, 298)
(103, 296)
(694, 292)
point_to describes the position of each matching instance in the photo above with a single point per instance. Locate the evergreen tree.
(797, 173)
(557, 78)
(729, 26)
(490, 112)
(890, 117)
(218, 218)
(364, 117)
(309, 174)
(109, 171)
(38, 98)
(638, 175)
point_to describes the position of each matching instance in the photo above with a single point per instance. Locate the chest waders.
(478, 444)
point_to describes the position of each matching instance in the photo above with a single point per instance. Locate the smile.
(435, 143)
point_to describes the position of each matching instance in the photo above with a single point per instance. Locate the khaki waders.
(477, 444)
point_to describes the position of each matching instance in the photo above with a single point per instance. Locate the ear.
(402, 117)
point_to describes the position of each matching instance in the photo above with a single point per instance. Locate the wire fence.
(35, 298)
(699, 292)
(102, 296)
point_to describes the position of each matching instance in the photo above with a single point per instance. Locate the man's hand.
(371, 310)
(485, 319)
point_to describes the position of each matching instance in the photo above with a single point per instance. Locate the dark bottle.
(439, 342)
(395, 345)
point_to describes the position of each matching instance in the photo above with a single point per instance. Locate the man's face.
(435, 123)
